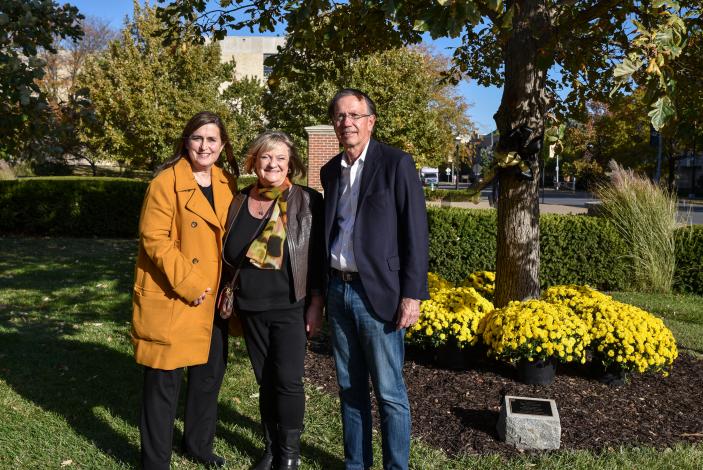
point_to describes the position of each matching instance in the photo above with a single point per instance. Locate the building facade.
(249, 53)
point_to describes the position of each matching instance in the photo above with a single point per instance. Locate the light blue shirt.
(342, 249)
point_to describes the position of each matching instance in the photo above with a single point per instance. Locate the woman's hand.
(313, 316)
(201, 299)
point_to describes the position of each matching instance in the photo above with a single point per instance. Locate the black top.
(207, 192)
(259, 289)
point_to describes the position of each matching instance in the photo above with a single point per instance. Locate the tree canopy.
(143, 92)
(597, 46)
(27, 28)
(420, 114)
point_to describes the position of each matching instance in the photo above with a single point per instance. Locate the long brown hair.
(193, 124)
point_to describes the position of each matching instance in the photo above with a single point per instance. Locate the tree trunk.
(524, 103)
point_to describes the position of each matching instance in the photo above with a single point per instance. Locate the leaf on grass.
(66, 463)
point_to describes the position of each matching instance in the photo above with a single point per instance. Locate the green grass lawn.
(70, 390)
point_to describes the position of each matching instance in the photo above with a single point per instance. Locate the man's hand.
(313, 316)
(201, 299)
(408, 313)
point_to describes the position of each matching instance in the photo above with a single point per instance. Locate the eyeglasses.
(340, 118)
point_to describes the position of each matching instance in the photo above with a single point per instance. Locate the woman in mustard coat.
(174, 324)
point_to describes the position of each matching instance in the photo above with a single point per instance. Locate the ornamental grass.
(535, 330)
(645, 216)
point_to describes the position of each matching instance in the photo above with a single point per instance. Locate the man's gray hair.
(358, 94)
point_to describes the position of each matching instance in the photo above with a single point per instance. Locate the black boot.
(270, 446)
(289, 449)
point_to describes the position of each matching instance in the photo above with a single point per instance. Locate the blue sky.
(484, 101)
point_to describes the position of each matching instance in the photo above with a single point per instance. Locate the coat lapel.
(332, 195)
(371, 165)
(223, 193)
(197, 203)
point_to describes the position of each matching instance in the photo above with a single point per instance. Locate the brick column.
(322, 146)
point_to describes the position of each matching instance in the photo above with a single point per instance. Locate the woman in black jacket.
(274, 249)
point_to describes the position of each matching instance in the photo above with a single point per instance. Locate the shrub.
(688, 276)
(451, 316)
(74, 206)
(483, 281)
(535, 330)
(461, 241)
(645, 216)
(621, 334)
(574, 249)
(578, 249)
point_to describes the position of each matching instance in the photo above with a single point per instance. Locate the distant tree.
(618, 130)
(143, 92)
(419, 113)
(245, 100)
(70, 105)
(27, 28)
(684, 134)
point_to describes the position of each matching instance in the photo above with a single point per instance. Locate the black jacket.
(390, 231)
(304, 236)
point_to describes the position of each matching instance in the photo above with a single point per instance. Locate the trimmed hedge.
(688, 276)
(73, 206)
(574, 248)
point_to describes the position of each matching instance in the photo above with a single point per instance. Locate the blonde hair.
(266, 141)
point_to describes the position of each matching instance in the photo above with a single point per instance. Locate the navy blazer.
(390, 232)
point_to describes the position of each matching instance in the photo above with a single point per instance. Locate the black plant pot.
(612, 374)
(537, 372)
(450, 356)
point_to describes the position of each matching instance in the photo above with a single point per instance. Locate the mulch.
(457, 411)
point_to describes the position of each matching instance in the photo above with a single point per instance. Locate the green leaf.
(495, 5)
(664, 37)
(662, 111)
(421, 25)
(507, 20)
(627, 67)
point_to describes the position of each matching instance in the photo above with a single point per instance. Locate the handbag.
(225, 302)
(225, 307)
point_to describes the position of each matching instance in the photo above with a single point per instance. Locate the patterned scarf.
(266, 252)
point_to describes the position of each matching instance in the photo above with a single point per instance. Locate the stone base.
(529, 431)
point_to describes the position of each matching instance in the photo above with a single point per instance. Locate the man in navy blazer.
(377, 241)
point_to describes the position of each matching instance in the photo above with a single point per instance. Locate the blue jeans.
(364, 346)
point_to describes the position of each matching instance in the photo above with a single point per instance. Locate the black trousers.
(275, 341)
(160, 400)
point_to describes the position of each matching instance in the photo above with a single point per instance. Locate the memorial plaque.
(529, 423)
(526, 406)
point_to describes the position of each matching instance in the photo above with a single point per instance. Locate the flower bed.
(535, 330)
(622, 334)
(451, 316)
(564, 325)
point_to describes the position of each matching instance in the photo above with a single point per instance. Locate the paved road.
(574, 202)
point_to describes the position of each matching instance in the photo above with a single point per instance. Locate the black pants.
(160, 399)
(275, 342)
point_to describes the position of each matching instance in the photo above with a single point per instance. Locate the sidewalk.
(483, 204)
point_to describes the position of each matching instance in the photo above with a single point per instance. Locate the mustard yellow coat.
(180, 247)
